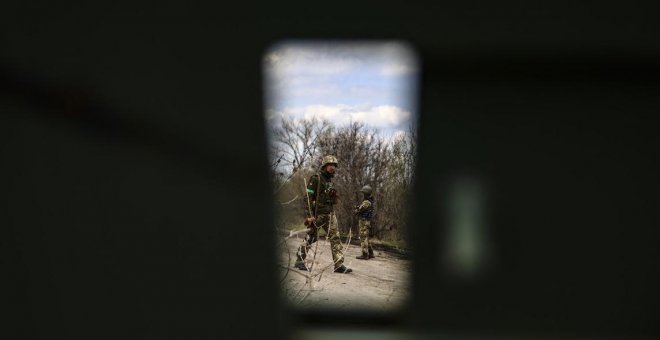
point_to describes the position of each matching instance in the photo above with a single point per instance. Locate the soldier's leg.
(303, 249)
(364, 239)
(323, 222)
(335, 241)
(370, 248)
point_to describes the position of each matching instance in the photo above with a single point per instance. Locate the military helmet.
(366, 189)
(329, 159)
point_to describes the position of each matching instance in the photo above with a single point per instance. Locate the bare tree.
(297, 140)
(365, 157)
(295, 143)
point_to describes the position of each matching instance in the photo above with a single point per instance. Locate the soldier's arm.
(311, 196)
(364, 206)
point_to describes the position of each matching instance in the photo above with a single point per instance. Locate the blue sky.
(370, 82)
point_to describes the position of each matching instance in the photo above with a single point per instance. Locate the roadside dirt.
(379, 284)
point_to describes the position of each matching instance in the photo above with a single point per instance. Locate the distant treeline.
(364, 157)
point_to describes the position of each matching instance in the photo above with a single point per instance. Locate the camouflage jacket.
(321, 195)
(365, 210)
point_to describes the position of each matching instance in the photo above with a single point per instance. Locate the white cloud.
(315, 92)
(383, 115)
(311, 79)
(380, 116)
(397, 69)
(333, 59)
(313, 60)
(366, 92)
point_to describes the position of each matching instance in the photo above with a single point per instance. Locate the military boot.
(371, 253)
(363, 257)
(301, 266)
(343, 269)
(300, 260)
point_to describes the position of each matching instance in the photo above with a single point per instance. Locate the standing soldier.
(365, 212)
(321, 197)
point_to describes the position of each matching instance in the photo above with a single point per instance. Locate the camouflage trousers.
(329, 224)
(364, 226)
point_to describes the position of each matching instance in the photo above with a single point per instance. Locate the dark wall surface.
(134, 155)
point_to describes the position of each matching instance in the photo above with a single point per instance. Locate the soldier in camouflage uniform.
(365, 212)
(321, 197)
